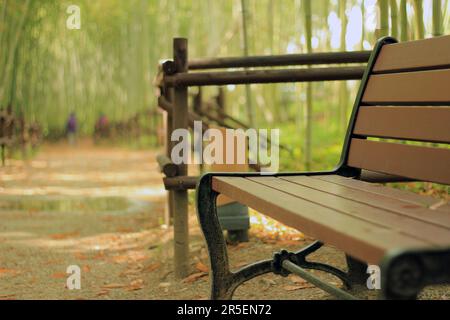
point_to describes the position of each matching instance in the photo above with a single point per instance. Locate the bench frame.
(403, 273)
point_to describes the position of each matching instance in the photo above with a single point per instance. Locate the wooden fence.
(16, 132)
(173, 82)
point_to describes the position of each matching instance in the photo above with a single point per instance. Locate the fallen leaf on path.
(134, 288)
(8, 272)
(52, 262)
(59, 275)
(132, 256)
(298, 287)
(99, 255)
(164, 284)
(200, 266)
(137, 284)
(113, 286)
(120, 258)
(130, 272)
(61, 236)
(80, 256)
(86, 268)
(152, 267)
(297, 280)
(194, 277)
(102, 293)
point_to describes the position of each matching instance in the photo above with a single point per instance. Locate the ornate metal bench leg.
(405, 274)
(220, 274)
(223, 281)
(357, 270)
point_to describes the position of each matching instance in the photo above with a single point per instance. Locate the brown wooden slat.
(424, 87)
(412, 199)
(415, 162)
(392, 204)
(410, 123)
(426, 53)
(415, 228)
(361, 239)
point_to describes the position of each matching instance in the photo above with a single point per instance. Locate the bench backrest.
(405, 96)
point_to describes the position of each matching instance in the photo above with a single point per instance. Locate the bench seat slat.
(361, 239)
(415, 162)
(420, 54)
(377, 201)
(421, 87)
(415, 228)
(410, 199)
(410, 123)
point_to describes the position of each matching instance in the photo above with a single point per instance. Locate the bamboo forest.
(186, 150)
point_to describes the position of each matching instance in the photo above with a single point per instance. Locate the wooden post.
(180, 197)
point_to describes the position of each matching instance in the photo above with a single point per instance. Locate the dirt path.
(102, 209)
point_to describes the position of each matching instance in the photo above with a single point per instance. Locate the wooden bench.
(404, 96)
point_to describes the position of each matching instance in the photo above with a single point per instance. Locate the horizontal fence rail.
(280, 60)
(264, 76)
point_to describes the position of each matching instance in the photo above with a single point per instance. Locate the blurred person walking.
(71, 128)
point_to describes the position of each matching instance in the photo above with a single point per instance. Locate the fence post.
(180, 197)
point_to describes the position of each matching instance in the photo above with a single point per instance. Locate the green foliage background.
(47, 70)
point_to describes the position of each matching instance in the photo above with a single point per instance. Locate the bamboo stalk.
(437, 18)
(394, 18)
(309, 102)
(419, 25)
(383, 6)
(403, 21)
